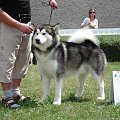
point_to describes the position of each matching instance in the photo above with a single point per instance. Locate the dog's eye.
(43, 33)
(36, 33)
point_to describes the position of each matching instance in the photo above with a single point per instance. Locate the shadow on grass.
(72, 98)
(31, 103)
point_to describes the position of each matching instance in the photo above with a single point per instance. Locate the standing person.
(15, 47)
(91, 21)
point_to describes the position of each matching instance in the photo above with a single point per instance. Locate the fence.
(104, 31)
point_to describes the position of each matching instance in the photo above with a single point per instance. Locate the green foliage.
(111, 47)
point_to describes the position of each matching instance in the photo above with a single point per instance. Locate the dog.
(58, 59)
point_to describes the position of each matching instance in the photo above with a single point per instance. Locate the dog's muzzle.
(37, 41)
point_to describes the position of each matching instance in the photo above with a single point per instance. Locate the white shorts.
(14, 53)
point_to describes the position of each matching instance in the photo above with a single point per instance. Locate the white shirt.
(87, 20)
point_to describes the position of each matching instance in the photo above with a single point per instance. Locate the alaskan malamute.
(57, 59)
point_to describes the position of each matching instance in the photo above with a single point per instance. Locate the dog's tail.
(82, 35)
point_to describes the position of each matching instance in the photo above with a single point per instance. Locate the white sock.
(16, 91)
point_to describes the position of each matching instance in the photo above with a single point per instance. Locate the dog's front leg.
(45, 87)
(58, 91)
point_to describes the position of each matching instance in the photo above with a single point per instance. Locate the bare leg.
(16, 87)
(16, 83)
(6, 90)
(6, 86)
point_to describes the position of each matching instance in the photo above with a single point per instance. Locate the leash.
(51, 11)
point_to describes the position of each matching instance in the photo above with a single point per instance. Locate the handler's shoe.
(21, 98)
(9, 102)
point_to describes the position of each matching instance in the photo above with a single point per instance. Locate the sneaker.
(22, 98)
(9, 102)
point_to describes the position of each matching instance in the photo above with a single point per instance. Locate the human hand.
(91, 25)
(88, 23)
(25, 28)
(53, 4)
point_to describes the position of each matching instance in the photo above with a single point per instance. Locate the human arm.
(5, 18)
(85, 22)
(92, 26)
(53, 4)
(84, 25)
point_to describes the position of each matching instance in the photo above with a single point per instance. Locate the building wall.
(70, 13)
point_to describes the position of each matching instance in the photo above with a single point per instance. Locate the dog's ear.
(33, 25)
(56, 27)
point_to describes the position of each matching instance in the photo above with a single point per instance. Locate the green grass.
(88, 108)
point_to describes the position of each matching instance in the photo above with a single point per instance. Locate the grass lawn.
(88, 108)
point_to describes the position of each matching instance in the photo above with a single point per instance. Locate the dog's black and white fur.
(57, 59)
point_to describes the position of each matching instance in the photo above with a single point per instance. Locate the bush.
(110, 44)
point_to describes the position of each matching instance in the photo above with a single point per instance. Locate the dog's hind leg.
(45, 87)
(100, 82)
(81, 80)
(58, 91)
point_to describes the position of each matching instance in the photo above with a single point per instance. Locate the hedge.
(110, 44)
(111, 47)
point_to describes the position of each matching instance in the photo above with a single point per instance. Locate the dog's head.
(45, 37)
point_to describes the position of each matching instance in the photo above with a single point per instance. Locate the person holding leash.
(15, 17)
(91, 21)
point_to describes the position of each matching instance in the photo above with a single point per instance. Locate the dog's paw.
(57, 102)
(100, 98)
(78, 96)
(44, 98)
